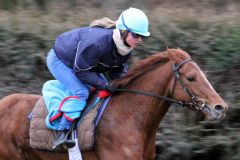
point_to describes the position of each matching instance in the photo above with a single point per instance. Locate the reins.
(140, 92)
(196, 103)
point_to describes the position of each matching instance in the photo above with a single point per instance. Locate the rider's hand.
(111, 88)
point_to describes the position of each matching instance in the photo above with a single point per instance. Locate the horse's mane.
(142, 67)
(149, 63)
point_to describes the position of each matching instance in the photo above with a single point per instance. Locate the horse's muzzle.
(214, 112)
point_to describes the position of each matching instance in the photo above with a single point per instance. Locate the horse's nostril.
(219, 108)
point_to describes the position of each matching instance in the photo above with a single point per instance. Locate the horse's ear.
(177, 55)
(172, 55)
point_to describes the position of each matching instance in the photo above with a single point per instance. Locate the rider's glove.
(110, 88)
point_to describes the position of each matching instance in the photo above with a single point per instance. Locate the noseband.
(195, 103)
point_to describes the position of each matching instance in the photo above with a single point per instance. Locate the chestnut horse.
(128, 126)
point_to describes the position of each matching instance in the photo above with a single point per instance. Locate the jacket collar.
(121, 47)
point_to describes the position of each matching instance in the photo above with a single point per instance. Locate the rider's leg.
(66, 76)
(64, 124)
(62, 134)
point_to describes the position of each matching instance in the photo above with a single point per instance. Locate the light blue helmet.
(133, 20)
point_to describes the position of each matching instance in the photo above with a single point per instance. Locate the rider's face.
(133, 39)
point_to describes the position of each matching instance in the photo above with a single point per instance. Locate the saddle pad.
(42, 138)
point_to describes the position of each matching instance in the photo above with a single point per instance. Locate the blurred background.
(209, 30)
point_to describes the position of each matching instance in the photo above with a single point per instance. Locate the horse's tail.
(104, 22)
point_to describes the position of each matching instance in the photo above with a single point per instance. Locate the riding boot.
(63, 136)
(63, 139)
(59, 139)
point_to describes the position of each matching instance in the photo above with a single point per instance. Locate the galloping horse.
(128, 127)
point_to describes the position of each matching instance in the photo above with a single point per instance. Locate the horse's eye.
(190, 79)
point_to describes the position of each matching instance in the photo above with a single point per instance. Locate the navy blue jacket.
(90, 51)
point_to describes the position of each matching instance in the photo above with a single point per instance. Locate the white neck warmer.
(121, 47)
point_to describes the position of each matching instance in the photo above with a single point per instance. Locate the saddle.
(42, 138)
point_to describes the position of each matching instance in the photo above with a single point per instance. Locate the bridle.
(195, 103)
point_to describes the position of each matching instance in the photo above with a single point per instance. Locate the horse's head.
(189, 84)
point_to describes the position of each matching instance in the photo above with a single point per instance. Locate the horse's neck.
(142, 112)
(151, 109)
(130, 122)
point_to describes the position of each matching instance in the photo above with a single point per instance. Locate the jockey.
(79, 56)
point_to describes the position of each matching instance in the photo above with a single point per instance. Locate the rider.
(79, 56)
